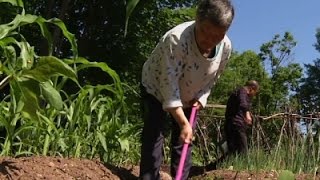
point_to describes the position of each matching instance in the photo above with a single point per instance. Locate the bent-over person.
(238, 117)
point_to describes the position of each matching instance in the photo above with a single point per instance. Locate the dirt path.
(52, 168)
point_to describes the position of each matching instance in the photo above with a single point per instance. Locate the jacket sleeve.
(171, 69)
(243, 98)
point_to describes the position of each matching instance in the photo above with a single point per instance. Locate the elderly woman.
(179, 74)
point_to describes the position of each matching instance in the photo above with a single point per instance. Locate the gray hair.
(218, 12)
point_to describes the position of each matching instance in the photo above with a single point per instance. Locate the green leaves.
(83, 63)
(31, 80)
(284, 74)
(309, 91)
(26, 93)
(14, 2)
(47, 67)
(19, 20)
(85, 123)
(51, 95)
(29, 77)
(28, 83)
(22, 19)
(241, 68)
(66, 33)
(286, 175)
(124, 144)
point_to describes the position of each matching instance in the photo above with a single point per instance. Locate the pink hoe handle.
(185, 146)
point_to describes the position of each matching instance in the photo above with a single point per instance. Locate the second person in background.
(238, 117)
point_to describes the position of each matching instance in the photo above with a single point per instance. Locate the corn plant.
(28, 75)
(39, 116)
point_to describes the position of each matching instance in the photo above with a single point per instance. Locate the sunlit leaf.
(102, 140)
(51, 95)
(67, 34)
(104, 67)
(26, 92)
(21, 19)
(47, 67)
(26, 54)
(124, 144)
(13, 2)
(131, 4)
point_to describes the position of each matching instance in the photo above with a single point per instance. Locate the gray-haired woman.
(179, 74)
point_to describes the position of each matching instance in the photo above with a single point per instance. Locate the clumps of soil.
(43, 167)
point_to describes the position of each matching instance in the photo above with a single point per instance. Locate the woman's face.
(208, 35)
(253, 91)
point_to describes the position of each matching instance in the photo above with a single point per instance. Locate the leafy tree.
(317, 44)
(282, 71)
(309, 92)
(273, 68)
(241, 68)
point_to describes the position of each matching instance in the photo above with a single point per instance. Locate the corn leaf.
(47, 67)
(26, 93)
(131, 4)
(13, 2)
(102, 140)
(51, 95)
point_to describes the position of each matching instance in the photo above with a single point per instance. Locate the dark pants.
(236, 137)
(153, 137)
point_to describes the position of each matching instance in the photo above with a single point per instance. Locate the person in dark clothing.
(238, 117)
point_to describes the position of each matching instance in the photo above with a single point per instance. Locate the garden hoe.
(185, 146)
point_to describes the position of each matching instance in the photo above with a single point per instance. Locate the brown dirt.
(25, 168)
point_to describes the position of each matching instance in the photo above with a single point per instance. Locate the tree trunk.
(43, 48)
(57, 39)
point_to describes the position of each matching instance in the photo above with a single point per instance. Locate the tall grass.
(274, 144)
(292, 151)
